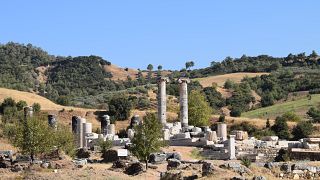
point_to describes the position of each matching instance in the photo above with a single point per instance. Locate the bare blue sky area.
(167, 32)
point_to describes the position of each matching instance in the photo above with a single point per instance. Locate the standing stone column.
(232, 147)
(184, 101)
(105, 122)
(162, 100)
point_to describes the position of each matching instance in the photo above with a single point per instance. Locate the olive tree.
(147, 138)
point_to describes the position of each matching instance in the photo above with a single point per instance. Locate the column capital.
(160, 79)
(183, 80)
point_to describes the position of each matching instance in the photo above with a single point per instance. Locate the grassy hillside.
(220, 79)
(300, 107)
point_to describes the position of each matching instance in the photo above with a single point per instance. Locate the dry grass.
(31, 98)
(63, 116)
(119, 73)
(220, 79)
(259, 123)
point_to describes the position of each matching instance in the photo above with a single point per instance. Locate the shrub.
(246, 162)
(291, 116)
(82, 153)
(282, 156)
(36, 107)
(235, 112)
(302, 130)
(280, 128)
(222, 118)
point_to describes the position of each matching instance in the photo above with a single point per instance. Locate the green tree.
(159, 71)
(34, 137)
(268, 123)
(189, 64)
(36, 107)
(64, 140)
(199, 109)
(302, 130)
(21, 104)
(147, 138)
(222, 118)
(314, 54)
(235, 111)
(214, 98)
(63, 100)
(8, 102)
(105, 146)
(282, 156)
(9, 114)
(150, 68)
(120, 107)
(281, 128)
(228, 84)
(314, 114)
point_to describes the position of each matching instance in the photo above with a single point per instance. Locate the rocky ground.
(186, 166)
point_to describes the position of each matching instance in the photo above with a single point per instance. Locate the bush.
(228, 84)
(120, 107)
(235, 112)
(110, 156)
(9, 130)
(245, 126)
(143, 103)
(63, 100)
(283, 156)
(281, 128)
(291, 116)
(302, 130)
(82, 153)
(222, 118)
(246, 162)
(36, 107)
(314, 114)
(21, 105)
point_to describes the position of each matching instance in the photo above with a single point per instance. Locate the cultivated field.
(220, 79)
(300, 107)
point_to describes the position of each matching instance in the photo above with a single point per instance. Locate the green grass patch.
(195, 153)
(300, 107)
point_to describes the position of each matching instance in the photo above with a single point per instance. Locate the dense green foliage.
(120, 107)
(11, 111)
(314, 114)
(240, 99)
(281, 128)
(147, 138)
(261, 63)
(291, 116)
(302, 130)
(198, 109)
(34, 137)
(214, 98)
(18, 65)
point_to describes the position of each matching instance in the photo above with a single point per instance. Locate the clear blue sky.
(135, 33)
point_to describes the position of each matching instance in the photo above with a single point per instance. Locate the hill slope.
(300, 107)
(220, 79)
(31, 98)
(63, 113)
